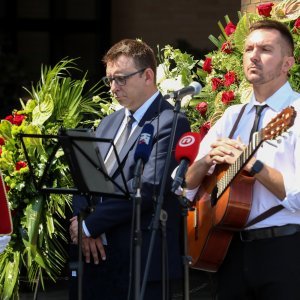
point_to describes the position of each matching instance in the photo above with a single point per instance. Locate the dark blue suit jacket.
(113, 216)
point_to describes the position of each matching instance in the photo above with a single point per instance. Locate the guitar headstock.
(279, 124)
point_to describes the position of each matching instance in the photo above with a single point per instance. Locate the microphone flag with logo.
(142, 152)
(185, 153)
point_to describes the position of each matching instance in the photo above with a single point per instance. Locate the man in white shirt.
(263, 260)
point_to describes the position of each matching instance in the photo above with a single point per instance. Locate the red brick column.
(250, 5)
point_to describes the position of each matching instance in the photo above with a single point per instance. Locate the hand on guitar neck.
(223, 151)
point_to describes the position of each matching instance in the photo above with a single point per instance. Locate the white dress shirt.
(284, 156)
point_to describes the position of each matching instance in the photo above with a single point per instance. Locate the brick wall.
(184, 22)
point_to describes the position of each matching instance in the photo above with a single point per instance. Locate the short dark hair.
(142, 54)
(276, 25)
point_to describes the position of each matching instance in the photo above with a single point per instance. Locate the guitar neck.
(239, 164)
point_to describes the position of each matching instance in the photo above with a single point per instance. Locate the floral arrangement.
(37, 244)
(221, 72)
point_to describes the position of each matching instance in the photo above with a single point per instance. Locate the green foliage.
(39, 240)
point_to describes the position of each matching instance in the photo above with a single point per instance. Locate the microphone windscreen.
(144, 146)
(187, 146)
(197, 86)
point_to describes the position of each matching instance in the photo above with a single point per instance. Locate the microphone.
(142, 153)
(185, 153)
(193, 89)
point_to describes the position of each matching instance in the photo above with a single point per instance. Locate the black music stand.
(81, 149)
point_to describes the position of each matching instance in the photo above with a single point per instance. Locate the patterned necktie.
(111, 160)
(259, 109)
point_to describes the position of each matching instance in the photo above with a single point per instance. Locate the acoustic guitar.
(223, 202)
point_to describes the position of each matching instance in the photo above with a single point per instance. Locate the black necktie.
(111, 160)
(259, 109)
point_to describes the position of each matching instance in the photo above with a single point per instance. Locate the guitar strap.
(237, 122)
(271, 211)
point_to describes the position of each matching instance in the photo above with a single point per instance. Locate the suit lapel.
(109, 130)
(151, 113)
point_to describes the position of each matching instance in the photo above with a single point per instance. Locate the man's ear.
(288, 63)
(149, 76)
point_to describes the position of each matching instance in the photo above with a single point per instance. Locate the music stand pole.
(80, 262)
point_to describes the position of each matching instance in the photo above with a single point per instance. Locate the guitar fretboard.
(239, 164)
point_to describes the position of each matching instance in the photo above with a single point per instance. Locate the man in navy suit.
(107, 231)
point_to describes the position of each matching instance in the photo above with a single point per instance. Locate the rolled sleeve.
(292, 188)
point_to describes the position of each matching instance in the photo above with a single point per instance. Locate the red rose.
(20, 164)
(202, 108)
(265, 9)
(230, 28)
(15, 119)
(18, 119)
(203, 130)
(230, 78)
(216, 83)
(226, 47)
(207, 66)
(0, 151)
(9, 118)
(227, 97)
(297, 24)
(2, 141)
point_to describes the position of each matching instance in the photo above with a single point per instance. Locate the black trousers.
(110, 281)
(266, 269)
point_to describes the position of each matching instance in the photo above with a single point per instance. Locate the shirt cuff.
(190, 194)
(85, 230)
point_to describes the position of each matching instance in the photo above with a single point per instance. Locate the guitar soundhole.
(213, 196)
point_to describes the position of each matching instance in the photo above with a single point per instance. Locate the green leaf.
(33, 215)
(10, 275)
(242, 30)
(43, 111)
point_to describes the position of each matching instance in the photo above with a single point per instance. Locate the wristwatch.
(256, 168)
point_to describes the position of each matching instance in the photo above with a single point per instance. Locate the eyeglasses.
(119, 80)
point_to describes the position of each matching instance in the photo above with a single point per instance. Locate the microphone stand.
(137, 233)
(159, 213)
(186, 258)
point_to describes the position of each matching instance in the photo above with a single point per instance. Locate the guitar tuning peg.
(289, 132)
(279, 140)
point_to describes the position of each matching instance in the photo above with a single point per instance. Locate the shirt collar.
(276, 102)
(139, 113)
